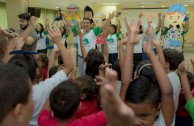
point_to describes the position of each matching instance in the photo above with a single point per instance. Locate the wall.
(190, 35)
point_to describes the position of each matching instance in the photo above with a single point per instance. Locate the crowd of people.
(124, 80)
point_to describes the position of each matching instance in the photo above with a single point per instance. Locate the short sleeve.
(117, 34)
(190, 107)
(74, 30)
(165, 31)
(97, 31)
(44, 117)
(33, 34)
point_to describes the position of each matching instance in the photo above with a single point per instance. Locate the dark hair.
(115, 27)
(25, 16)
(143, 90)
(87, 8)
(53, 71)
(145, 69)
(27, 62)
(14, 88)
(141, 29)
(173, 57)
(91, 20)
(64, 32)
(3, 43)
(117, 67)
(65, 99)
(42, 29)
(60, 59)
(93, 60)
(88, 86)
(44, 59)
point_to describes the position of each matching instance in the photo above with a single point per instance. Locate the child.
(182, 116)
(43, 63)
(142, 95)
(187, 92)
(89, 102)
(16, 103)
(66, 96)
(41, 91)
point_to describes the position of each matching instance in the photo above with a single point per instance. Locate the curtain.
(50, 14)
(3, 16)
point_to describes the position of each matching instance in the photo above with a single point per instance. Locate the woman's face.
(38, 27)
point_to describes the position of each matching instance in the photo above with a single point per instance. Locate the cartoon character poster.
(175, 17)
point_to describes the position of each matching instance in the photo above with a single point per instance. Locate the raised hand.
(148, 46)
(47, 21)
(112, 15)
(55, 36)
(32, 21)
(159, 14)
(157, 43)
(182, 68)
(80, 33)
(133, 31)
(117, 112)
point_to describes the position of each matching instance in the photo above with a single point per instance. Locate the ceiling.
(52, 4)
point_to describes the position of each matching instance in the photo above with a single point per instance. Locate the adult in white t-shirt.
(41, 43)
(113, 44)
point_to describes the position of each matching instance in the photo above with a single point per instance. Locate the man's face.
(86, 25)
(23, 23)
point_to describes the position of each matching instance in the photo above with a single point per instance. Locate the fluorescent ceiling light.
(142, 6)
(57, 7)
(150, 2)
(163, 6)
(186, 5)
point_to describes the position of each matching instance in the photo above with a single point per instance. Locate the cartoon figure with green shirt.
(175, 17)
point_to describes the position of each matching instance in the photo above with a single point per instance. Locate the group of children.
(37, 90)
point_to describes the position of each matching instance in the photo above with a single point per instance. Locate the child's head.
(93, 60)
(113, 29)
(144, 98)
(28, 63)
(173, 58)
(88, 87)
(16, 103)
(53, 71)
(65, 99)
(43, 60)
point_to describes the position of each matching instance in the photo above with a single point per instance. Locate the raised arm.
(160, 52)
(83, 50)
(186, 27)
(69, 24)
(25, 34)
(127, 68)
(162, 23)
(47, 24)
(56, 37)
(107, 21)
(192, 63)
(167, 103)
(159, 22)
(106, 50)
(52, 59)
(185, 82)
(73, 58)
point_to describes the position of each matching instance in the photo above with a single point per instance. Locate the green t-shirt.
(190, 108)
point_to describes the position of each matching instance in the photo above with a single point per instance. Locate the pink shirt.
(97, 119)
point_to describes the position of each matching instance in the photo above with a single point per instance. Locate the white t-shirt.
(113, 43)
(41, 43)
(175, 81)
(89, 39)
(138, 46)
(160, 120)
(41, 92)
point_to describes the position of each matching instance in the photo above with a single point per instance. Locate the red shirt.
(181, 111)
(87, 108)
(97, 119)
(44, 73)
